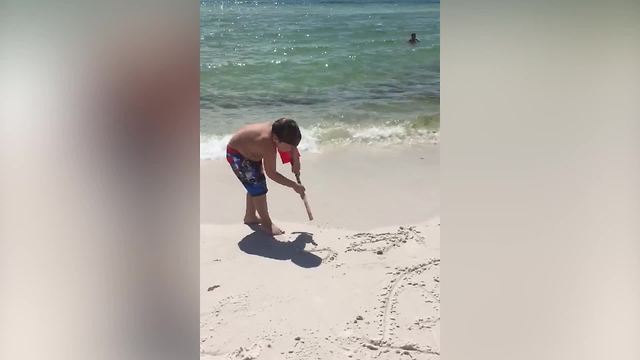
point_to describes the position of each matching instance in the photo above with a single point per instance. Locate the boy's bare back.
(254, 141)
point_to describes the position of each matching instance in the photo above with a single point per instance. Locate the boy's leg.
(250, 216)
(260, 203)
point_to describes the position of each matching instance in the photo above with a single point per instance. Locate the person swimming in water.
(413, 40)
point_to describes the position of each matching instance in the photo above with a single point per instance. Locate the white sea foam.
(214, 146)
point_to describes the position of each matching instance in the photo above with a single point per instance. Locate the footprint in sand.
(249, 352)
(211, 320)
(380, 243)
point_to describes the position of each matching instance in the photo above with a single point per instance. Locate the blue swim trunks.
(249, 172)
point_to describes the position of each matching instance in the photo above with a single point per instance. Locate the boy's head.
(286, 134)
(413, 36)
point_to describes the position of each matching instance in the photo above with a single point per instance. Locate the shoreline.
(318, 140)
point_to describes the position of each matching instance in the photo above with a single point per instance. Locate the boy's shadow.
(262, 244)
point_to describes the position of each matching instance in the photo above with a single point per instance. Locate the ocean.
(343, 69)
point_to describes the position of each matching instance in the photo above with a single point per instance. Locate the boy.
(248, 149)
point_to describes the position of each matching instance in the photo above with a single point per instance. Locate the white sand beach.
(361, 281)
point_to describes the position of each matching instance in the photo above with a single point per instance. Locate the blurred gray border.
(540, 159)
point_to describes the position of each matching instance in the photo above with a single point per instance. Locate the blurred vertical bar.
(99, 110)
(541, 180)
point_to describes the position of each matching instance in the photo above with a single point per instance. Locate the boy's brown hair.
(287, 131)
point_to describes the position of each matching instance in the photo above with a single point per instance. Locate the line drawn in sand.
(387, 315)
(390, 297)
(382, 242)
(326, 254)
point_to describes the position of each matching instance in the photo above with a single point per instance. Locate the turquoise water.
(342, 69)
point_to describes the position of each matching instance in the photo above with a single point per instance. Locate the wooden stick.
(304, 198)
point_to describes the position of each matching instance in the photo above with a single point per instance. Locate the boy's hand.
(299, 189)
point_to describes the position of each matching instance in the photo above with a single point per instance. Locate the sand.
(359, 282)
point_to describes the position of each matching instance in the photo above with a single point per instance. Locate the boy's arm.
(295, 161)
(270, 169)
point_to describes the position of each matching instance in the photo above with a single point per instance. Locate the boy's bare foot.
(271, 229)
(251, 220)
